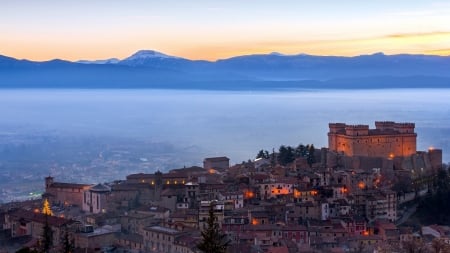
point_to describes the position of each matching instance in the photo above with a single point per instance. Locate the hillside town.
(352, 196)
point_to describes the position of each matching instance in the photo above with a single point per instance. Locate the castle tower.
(384, 125)
(335, 129)
(48, 182)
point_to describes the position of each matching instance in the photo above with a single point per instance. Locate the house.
(160, 239)
(216, 163)
(133, 242)
(22, 222)
(276, 189)
(100, 237)
(95, 199)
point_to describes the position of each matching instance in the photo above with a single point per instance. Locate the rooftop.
(163, 230)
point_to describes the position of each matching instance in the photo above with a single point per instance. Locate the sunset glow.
(219, 29)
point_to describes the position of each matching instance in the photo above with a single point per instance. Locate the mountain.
(152, 69)
(107, 61)
(150, 57)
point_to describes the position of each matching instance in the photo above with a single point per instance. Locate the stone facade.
(64, 193)
(389, 139)
(216, 163)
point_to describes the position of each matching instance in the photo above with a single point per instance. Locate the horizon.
(212, 30)
(233, 56)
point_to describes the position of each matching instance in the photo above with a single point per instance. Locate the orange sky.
(210, 29)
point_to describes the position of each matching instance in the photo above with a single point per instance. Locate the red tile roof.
(39, 218)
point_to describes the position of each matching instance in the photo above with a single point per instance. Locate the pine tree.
(68, 244)
(213, 240)
(311, 158)
(47, 236)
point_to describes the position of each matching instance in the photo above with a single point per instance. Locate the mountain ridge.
(153, 69)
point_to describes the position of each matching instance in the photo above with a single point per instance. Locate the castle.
(388, 140)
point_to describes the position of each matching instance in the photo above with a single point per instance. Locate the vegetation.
(434, 209)
(68, 243)
(47, 237)
(213, 240)
(26, 250)
(287, 154)
(263, 154)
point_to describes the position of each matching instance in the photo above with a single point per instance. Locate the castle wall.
(388, 140)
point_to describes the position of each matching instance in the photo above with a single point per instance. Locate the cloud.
(409, 35)
(442, 51)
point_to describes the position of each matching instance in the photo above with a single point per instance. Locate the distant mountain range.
(152, 69)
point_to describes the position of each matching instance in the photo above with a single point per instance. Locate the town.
(353, 196)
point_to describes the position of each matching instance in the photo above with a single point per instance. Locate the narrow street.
(410, 211)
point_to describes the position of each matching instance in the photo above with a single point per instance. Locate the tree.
(435, 209)
(414, 247)
(311, 158)
(68, 243)
(263, 154)
(300, 151)
(26, 250)
(213, 240)
(285, 155)
(47, 237)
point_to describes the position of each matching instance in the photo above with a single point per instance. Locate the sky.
(211, 29)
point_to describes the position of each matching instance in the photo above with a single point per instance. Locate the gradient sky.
(209, 29)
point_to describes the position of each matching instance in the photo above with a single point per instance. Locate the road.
(410, 211)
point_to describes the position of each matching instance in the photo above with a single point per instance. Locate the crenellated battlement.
(389, 139)
(357, 126)
(357, 130)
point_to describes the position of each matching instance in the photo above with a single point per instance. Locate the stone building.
(389, 139)
(160, 239)
(216, 163)
(95, 200)
(22, 222)
(64, 193)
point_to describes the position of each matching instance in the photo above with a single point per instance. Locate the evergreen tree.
(263, 154)
(68, 244)
(213, 240)
(47, 237)
(285, 155)
(300, 151)
(311, 158)
(260, 154)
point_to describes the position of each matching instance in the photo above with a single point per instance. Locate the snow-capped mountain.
(152, 69)
(146, 54)
(145, 57)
